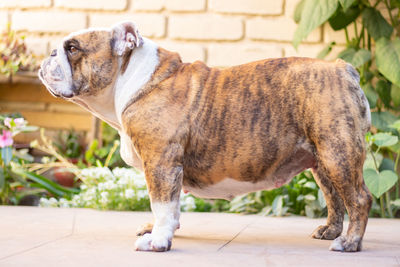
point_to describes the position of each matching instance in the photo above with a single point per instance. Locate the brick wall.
(219, 32)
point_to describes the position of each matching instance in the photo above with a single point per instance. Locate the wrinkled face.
(83, 64)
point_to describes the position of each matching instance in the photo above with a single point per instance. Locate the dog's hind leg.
(341, 159)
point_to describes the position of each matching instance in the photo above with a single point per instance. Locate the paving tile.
(23, 228)
(84, 237)
(213, 225)
(288, 241)
(114, 223)
(118, 251)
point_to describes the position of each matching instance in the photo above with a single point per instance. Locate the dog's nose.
(53, 53)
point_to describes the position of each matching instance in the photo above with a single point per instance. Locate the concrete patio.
(32, 236)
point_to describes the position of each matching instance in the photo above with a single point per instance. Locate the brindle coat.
(195, 125)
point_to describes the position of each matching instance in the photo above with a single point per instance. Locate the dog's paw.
(328, 232)
(346, 244)
(144, 229)
(151, 242)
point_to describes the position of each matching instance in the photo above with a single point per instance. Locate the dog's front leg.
(164, 183)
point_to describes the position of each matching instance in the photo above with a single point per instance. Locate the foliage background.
(374, 51)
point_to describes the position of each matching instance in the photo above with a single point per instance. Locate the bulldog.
(219, 133)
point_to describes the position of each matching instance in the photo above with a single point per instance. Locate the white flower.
(43, 202)
(104, 197)
(110, 185)
(139, 181)
(64, 203)
(53, 202)
(127, 176)
(91, 191)
(83, 187)
(123, 181)
(129, 193)
(76, 200)
(97, 173)
(46, 160)
(101, 186)
(142, 194)
(188, 204)
(87, 197)
(20, 122)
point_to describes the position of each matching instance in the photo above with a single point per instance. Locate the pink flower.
(6, 139)
(7, 122)
(18, 122)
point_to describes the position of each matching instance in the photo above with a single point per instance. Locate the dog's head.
(89, 61)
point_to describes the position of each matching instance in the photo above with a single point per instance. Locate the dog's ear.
(125, 37)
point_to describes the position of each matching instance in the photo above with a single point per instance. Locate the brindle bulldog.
(219, 133)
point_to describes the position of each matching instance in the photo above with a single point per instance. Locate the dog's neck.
(109, 104)
(148, 66)
(142, 64)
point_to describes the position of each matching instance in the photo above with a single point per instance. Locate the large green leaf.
(388, 59)
(369, 162)
(355, 58)
(297, 11)
(376, 24)
(387, 164)
(379, 182)
(395, 125)
(371, 95)
(343, 18)
(385, 139)
(382, 120)
(316, 13)
(383, 89)
(346, 3)
(47, 184)
(395, 94)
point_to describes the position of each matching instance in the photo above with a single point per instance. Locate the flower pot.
(64, 177)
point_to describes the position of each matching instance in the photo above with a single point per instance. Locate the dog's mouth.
(49, 88)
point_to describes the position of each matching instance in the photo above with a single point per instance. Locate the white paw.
(337, 244)
(151, 242)
(346, 244)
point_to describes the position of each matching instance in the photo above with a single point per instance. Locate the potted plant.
(14, 55)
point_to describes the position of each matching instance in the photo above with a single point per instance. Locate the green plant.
(69, 144)
(15, 181)
(375, 52)
(103, 189)
(301, 196)
(14, 55)
(379, 172)
(379, 68)
(108, 154)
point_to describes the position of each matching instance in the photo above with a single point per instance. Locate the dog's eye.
(72, 49)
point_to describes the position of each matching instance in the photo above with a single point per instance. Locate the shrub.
(103, 189)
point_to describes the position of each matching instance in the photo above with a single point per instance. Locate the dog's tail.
(354, 78)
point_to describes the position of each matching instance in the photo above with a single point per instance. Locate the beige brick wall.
(219, 32)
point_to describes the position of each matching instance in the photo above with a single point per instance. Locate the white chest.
(128, 152)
